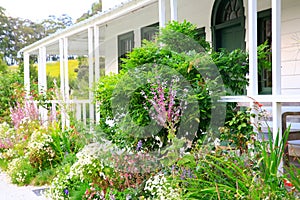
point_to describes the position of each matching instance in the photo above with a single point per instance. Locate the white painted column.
(66, 73)
(276, 68)
(62, 82)
(91, 72)
(137, 38)
(162, 12)
(97, 53)
(252, 20)
(61, 68)
(252, 89)
(97, 64)
(276, 47)
(26, 74)
(42, 76)
(174, 10)
(42, 80)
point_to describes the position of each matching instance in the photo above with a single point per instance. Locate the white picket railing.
(78, 109)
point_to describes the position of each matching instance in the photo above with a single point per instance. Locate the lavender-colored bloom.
(173, 168)
(139, 145)
(112, 197)
(66, 191)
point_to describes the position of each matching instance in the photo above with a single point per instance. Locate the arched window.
(228, 24)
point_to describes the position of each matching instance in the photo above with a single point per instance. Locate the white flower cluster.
(10, 153)
(39, 144)
(58, 185)
(20, 176)
(6, 132)
(161, 189)
(88, 159)
(39, 140)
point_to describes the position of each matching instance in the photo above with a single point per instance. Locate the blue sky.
(37, 10)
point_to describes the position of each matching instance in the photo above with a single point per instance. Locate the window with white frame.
(149, 32)
(125, 45)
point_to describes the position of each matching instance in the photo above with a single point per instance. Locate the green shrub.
(44, 177)
(194, 68)
(3, 65)
(238, 131)
(11, 85)
(20, 171)
(41, 154)
(182, 37)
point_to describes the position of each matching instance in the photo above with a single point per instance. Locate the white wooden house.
(224, 23)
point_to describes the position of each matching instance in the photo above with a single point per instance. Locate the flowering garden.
(162, 134)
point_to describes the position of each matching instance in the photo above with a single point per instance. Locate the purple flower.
(139, 145)
(112, 197)
(66, 191)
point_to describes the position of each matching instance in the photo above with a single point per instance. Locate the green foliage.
(233, 67)
(95, 8)
(11, 85)
(66, 143)
(233, 176)
(272, 155)
(226, 177)
(41, 155)
(3, 164)
(294, 177)
(20, 171)
(264, 57)
(43, 177)
(194, 67)
(182, 37)
(3, 65)
(238, 131)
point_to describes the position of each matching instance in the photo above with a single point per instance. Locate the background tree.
(95, 8)
(16, 33)
(54, 24)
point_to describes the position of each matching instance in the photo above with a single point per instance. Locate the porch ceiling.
(77, 45)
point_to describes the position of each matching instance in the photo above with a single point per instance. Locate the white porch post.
(26, 74)
(276, 67)
(66, 77)
(97, 53)
(252, 89)
(137, 38)
(174, 10)
(253, 81)
(91, 71)
(97, 64)
(61, 69)
(62, 80)
(162, 12)
(42, 79)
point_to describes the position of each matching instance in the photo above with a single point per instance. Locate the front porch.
(96, 38)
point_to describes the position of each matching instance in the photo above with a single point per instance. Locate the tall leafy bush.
(191, 62)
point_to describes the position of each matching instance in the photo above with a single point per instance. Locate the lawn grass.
(53, 68)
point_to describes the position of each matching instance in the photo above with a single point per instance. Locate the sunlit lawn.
(53, 68)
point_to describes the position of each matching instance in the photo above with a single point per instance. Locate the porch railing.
(78, 110)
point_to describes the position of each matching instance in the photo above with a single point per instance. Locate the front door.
(230, 38)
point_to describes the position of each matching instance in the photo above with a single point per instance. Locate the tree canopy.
(16, 33)
(95, 8)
